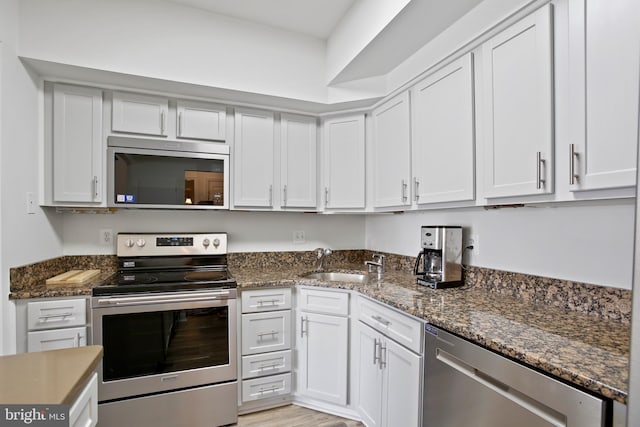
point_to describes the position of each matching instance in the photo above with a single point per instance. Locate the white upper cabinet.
(518, 108)
(392, 153)
(298, 161)
(604, 42)
(77, 145)
(199, 120)
(143, 114)
(443, 135)
(253, 158)
(344, 173)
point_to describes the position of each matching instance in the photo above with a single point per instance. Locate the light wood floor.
(293, 416)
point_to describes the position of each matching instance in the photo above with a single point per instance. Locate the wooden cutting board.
(73, 278)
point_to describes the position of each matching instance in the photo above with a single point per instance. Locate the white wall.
(25, 238)
(170, 41)
(591, 243)
(248, 231)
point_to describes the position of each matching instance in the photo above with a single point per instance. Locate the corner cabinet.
(518, 108)
(392, 153)
(76, 150)
(604, 65)
(344, 155)
(298, 161)
(253, 159)
(322, 345)
(443, 135)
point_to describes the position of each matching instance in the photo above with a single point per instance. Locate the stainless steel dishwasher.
(466, 385)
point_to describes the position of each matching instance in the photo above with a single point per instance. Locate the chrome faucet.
(322, 253)
(378, 262)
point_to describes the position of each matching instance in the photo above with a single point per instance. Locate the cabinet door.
(518, 139)
(344, 172)
(199, 120)
(263, 332)
(370, 376)
(401, 392)
(84, 411)
(253, 158)
(298, 161)
(322, 357)
(604, 66)
(77, 144)
(55, 339)
(391, 153)
(443, 134)
(144, 114)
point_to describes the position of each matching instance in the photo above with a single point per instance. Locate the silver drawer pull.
(268, 390)
(272, 333)
(381, 320)
(265, 367)
(61, 316)
(267, 301)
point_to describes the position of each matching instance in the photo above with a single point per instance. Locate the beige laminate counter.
(47, 377)
(581, 349)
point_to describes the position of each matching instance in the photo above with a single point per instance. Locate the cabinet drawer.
(263, 388)
(55, 339)
(263, 332)
(260, 365)
(323, 301)
(56, 314)
(265, 300)
(397, 326)
(84, 411)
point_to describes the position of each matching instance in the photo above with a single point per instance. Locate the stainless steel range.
(167, 322)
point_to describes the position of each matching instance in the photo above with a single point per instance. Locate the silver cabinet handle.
(539, 179)
(95, 186)
(268, 390)
(573, 176)
(302, 331)
(271, 195)
(326, 196)
(284, 191)
(383, 355)
(379, 319)
(179, 124)
(262, 334)
(376, 354)
(265, 301)
(62, 316)
(416, 186)
(265, 367)
(162, 122)
(404, 191)
(78, 338)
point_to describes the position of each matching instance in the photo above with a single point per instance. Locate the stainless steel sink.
(339, 277)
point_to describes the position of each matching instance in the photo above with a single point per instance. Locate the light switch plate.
(299, 237)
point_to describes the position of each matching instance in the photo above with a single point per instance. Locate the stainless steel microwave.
(149, 173)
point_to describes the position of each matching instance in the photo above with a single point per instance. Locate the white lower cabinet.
(84, 411)
(389, 375)
(265, 348)
(56, 324)
(56, 339)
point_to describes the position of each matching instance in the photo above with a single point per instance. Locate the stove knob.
(216, 242)
(206, 243)
(129, 243)
(141, 242)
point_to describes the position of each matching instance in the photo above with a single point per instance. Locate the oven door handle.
(158, 299)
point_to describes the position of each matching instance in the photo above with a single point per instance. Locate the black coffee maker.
(439, 264)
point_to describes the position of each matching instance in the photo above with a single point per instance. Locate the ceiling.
(315, 18)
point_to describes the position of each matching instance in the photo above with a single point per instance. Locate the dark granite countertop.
(579, 348)
(582, 349)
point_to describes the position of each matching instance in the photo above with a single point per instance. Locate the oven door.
(155, 343)
(197, 178)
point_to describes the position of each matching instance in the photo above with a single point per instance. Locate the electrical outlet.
(298, 237)
(31, 203)
(473, 240)
(105, 237)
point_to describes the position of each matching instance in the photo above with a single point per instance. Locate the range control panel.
(166, 244)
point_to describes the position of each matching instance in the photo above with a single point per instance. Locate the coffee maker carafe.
(439, 264)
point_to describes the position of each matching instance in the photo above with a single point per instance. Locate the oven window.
(161, 180)
(149, 343)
